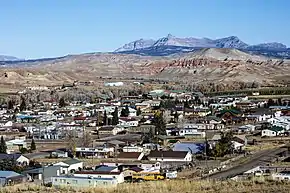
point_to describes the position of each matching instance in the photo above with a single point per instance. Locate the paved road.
(261, 158)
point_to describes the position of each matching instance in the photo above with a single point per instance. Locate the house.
(245, 128)
(239, 142)
(15, 144)
(82, 182)
(37, 155)
(192, 147)
(170, 156)
(6, 124)
(130, 156)
(191, 132)
(261, 114)
(59, 154)
(44, 173)
(19, 159)
(283, 176)
(109, 130)
(104, 168)
(8, 178)
(114, 84)
(128, 122)
(272, 132)
(99, 151)
(129, 172)
(70, 165)
(119, 176)
(132, 149)
(142, 105)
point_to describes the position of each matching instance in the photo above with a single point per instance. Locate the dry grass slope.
(180, 186)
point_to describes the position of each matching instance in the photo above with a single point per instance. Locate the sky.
(49, 28)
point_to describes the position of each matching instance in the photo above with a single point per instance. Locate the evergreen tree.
(279, 101)
(3, 147)
(162, 104)
(115, 119)
(23, 104)
(138, 112)
(125, 112)
(159, 123)
(105, 118)
(33, 146)
(224, 146)
(10, 104)
(186, 104)
(61, 102)
(271, 102)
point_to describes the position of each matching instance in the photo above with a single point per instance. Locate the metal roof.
(192, 147)
(8, 174)
(105, 168)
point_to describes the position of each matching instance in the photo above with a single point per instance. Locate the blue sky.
(47, 28)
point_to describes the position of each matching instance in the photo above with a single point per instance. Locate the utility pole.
(43, 175)
(93, 153)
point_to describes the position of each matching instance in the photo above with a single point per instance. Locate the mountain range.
(8, 58)
(172, 45)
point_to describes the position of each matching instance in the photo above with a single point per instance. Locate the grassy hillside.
(178, 186)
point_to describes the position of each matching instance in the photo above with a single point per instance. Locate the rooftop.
(8, 174)
(129, 155)
(97, 172)
(168, 154)
(71, 161)
(104, 168)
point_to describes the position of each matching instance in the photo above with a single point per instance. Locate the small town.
(151, 136)
(112, 96)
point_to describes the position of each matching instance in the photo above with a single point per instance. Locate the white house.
(281, 176)
(100, 152)
(282, 119)
(260, 117)
(119, 176)
(114, 84)
(191, 132)
(15, 145)
(128, 122)
(246, 128)
(272, 132)
(6, 124)
(18, 158)
(82, 182)
(70, 165)
(110, 130)
(170, 156)
(132, 149)
(237, 145)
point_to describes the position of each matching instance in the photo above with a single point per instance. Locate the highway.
(260, 158)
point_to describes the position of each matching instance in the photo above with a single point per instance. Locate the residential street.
(261, 158)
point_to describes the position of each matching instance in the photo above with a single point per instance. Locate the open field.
(174, 186)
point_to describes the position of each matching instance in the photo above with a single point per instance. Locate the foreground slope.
(174, 186)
